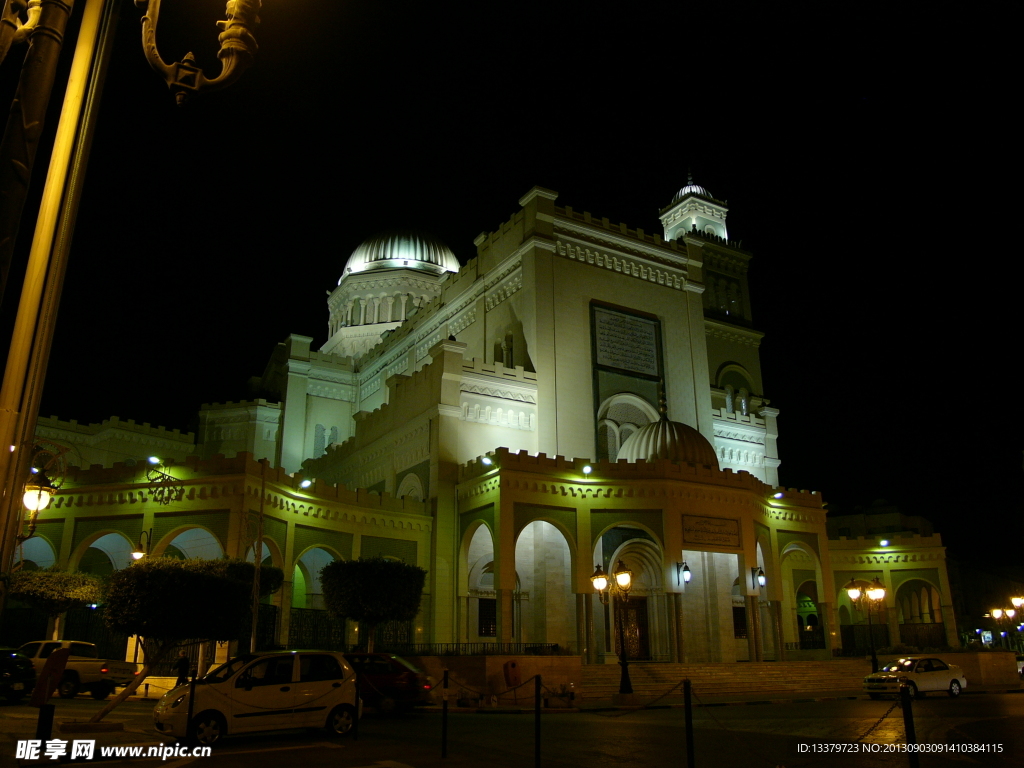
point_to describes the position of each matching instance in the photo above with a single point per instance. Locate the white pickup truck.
(84, 671)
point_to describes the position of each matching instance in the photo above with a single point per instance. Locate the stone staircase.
(600, 681)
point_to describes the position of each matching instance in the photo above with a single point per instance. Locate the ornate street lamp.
(237, 49)
(875, 593)
(621, 584)
(38, 492)
(143, 548)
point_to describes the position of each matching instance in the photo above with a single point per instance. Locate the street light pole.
(622, 582)
(874, 594)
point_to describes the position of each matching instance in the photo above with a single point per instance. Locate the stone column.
(670, 614)
(404, 298)
(581, 624)
(376, 309)
(588, 607)
(753, 642)
(389, 303)
(775, 609)
(680, 629)
(362, 311)
(892, 619)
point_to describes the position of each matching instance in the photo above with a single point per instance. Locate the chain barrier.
(883, 717)
(720, 724)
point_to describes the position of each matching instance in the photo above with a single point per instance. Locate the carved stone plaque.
(626, 342)
(716, 531)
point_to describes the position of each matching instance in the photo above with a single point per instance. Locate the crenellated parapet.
(635, 472)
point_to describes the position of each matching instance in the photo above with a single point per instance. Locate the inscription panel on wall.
(711, 531)
(626, 342)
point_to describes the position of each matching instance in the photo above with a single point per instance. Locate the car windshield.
(903, 665)
(405, 664)
(224, 671)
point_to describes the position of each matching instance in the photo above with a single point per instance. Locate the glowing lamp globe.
(877, 591)
(623, 576)
(599, 579)
(36, 498)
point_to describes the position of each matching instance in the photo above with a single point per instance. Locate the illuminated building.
(465, 403)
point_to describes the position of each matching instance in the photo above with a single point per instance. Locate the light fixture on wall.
(587, 469)
(145, 542)
(757, 577)
(683, 574)
(165, 487)
(486, 461)
(305, 484)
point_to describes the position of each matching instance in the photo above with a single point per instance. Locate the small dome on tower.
(690, 189)
(664, 439)
(401, 250)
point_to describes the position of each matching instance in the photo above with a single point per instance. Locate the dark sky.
(865, 152)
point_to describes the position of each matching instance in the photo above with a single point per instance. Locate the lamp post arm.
(12, 29)
(237, 49)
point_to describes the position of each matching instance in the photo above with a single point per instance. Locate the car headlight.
(178, 700)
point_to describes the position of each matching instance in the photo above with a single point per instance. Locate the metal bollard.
(444, 715)
(536, 721)
(44, 725)
(688, 718)
(908, 725)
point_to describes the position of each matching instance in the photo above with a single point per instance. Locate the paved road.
(763, 735)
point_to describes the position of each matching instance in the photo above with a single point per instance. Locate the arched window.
(618, 417)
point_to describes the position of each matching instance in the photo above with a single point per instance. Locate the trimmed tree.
(372, 591)
(166, 602)
(55, 592)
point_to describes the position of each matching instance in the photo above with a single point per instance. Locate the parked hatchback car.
(922, 675)
(17, 675)
(264, 692)
(389, 683)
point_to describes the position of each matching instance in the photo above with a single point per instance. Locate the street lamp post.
(1004, 616)
(145, 542)
(875, 593)
(29, 351)
(622, 582)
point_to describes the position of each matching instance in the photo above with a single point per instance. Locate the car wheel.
(875, 695)
(341, 720)
(208, 728)
(68, 687)
(101, 691)
(914, 692)
(954, 689)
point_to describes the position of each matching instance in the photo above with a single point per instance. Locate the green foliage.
(55, 591)
(373, 591)
(171, 600)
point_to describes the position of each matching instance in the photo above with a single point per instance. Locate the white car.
(921, 674)
(265, 692)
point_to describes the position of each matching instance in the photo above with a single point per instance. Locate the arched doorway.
(643, 617)
(545, 603)
(310, 625)
(920, 614)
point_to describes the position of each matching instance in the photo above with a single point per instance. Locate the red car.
(389, 683)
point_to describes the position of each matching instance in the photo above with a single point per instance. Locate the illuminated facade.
(479, 393)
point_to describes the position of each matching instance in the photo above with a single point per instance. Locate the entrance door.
(635, 611)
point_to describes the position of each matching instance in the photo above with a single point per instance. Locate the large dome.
(664, 439)
(402, 250)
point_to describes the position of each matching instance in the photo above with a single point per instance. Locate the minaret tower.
(693, 206)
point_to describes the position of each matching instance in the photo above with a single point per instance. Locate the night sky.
(865, 152)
